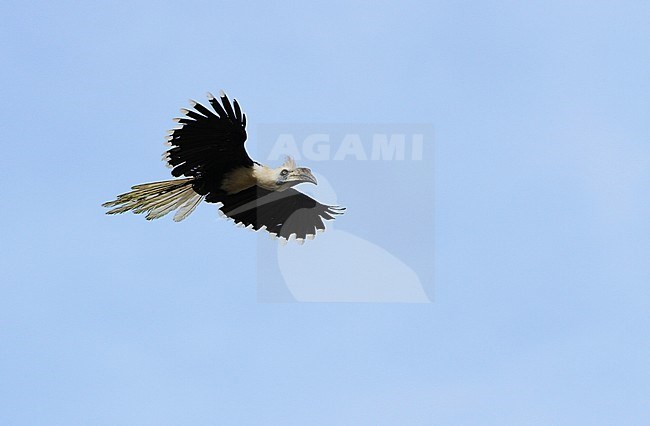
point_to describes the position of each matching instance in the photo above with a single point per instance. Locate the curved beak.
(301, 175)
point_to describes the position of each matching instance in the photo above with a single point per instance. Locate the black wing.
(282, 213)
(208, 143)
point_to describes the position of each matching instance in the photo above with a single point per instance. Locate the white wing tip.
(222, 93)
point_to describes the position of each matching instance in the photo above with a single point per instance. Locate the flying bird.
(208, 157)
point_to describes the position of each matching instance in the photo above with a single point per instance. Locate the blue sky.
(540, 300)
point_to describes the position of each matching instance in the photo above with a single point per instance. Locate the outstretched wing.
(281, 213)
(208, 143)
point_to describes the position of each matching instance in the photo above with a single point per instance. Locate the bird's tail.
(157, 199)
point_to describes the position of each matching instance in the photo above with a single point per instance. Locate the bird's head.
(283, 177)
(288, 175)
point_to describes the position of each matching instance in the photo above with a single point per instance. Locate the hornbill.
(208, 150)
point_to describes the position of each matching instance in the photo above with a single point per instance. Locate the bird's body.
(208, 150)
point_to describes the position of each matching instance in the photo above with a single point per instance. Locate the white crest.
(289, 163)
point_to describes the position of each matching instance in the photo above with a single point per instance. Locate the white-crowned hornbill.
(208, 149)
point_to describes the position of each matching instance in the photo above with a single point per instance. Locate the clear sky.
(539, 257)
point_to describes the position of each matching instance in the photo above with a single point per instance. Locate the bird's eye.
(284, 172)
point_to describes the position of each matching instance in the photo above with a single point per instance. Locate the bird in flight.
(207, 154)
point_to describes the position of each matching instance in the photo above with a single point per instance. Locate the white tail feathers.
(157, 199)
